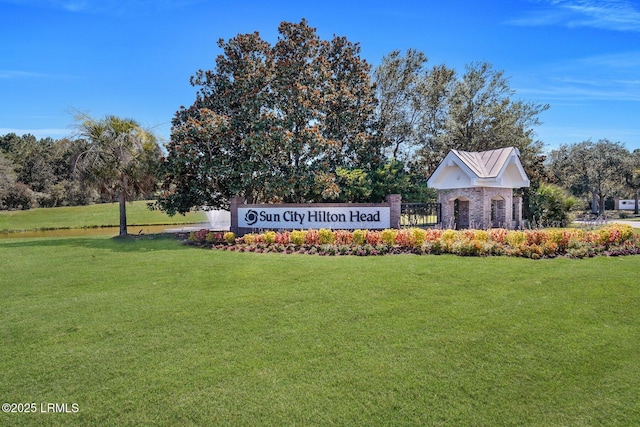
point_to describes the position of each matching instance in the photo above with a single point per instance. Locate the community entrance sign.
(246, 218)
(308, 217)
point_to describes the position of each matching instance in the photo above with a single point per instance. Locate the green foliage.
(297, 237)
(591, 170)
(359, 237)
(272, 123)
(326, 236)
(426, 112)
(388, 236)
(549, 206)
(46, 167)
(354, 185)
(120, 159)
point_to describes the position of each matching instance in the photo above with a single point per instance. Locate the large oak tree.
(272, 122)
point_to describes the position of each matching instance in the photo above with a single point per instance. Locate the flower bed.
(613, 239)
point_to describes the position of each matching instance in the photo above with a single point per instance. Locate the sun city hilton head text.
(284, 217)
(318, 216)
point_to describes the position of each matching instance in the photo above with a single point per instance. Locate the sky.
(134, 58)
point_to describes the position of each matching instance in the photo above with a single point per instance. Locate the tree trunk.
(123, 214)
(602, 201)
(635, 210)
(594, 202)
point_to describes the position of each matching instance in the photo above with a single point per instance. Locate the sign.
(627, 205)
(321, 217)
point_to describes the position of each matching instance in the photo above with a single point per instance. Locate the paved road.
(634, 224)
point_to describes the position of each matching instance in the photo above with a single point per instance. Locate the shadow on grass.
(131, 243)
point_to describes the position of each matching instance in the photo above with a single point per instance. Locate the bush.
(229, 237)
(550, 206)
(359, 237)
(326, 236)
(516, 238)
(372, 237)
(18, 196)
(269, 237)
(343, 237)
(388, 236)
(312, 237)
(609, 240)
(298, 237)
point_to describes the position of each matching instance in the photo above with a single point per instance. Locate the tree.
(592, 170)
(272, 123)
(46, 167)
(427, 113)
(120, 159)
(413, 102)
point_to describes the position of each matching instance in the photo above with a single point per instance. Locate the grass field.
(149, 332)
(99, 215)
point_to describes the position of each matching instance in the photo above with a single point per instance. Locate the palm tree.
(119, 161)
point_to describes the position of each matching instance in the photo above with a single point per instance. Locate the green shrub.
(418, 237)
(326, 236)
(388, 236)
(269, 237)
(359, 237)
(297, 237)
(229, 237)
(516, 238)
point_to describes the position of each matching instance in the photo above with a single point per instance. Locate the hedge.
(613, 240)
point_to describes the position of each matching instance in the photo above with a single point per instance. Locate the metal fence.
(421, 215)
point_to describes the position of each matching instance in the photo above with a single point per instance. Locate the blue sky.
(134, 58)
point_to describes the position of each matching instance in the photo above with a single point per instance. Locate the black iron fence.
(421, 215)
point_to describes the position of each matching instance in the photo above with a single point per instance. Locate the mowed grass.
(150, 332)
(98, 215)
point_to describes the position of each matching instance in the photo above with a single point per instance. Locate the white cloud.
(616, 15)
(610, 77)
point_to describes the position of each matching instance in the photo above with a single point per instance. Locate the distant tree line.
(75, 171)
(40, 173)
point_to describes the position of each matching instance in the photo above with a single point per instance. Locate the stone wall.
(487, 207)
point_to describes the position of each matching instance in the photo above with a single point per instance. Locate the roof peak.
(486, 164)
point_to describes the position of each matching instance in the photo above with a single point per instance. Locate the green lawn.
(150, 332)
(99, 215)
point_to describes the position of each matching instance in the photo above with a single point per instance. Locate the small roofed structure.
(475, 189)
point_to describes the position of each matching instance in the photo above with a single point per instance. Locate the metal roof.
(485, 164)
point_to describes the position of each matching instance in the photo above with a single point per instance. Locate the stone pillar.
(395, 203)
(234, 203)
(517, 212)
